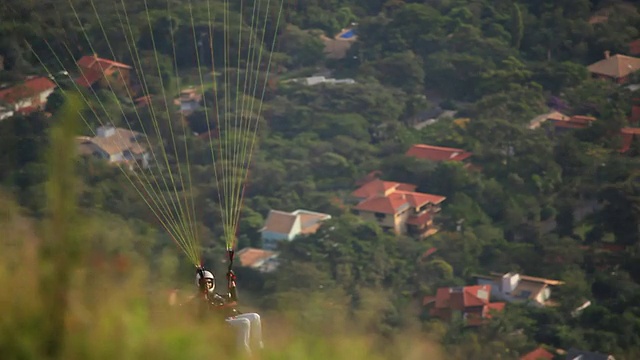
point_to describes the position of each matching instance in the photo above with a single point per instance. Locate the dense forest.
(561, 206)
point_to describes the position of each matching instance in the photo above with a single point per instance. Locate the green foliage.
(528, 203)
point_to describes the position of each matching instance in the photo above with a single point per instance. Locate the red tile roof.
(419, 220)
(574, 122)
(378, 187)
(250, 257)
(391, 197)
(472, 300)
(391, 204)
(437, 153)
(93, 69)
(29, 88)
(538, 354)
(417, 199)
(460, 298)
(94, 62)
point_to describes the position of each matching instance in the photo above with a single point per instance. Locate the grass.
(57, 304)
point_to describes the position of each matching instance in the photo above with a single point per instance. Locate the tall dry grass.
(56, 303)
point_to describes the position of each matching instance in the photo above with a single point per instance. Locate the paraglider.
(166, 186)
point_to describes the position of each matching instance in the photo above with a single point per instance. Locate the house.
(513, 287)
(470, 302)
(319, 79)
(561, 122)
(26, 97)
(438, 153)
(539, 353)
(285, 226)
(258, 259)
(556, 116)
(337, 47)
(116, 145)
(575, 354)
(189, 100)
(617, 68)
(634, 48)
(573, 122)
(397, 207)
(629, 135)
(95, 71)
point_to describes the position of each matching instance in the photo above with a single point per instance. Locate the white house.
(284, 226)
(26, 97)
(189, 100)
(513, 287)
(116, 145)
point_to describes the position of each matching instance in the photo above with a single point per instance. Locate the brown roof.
(282, 222)
(574, 122)
(391, 197)
(616, 66)
(390, 204)
(379, 187)
(121, 141)
(437, 153)
(463, 297)
(279, 222)
(93, 69)
(310, 222)
(250, 256)
(538, 354)
(29, 88)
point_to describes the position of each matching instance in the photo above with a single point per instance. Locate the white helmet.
(207, 275)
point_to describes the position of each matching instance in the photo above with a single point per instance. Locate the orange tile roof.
(279, 222)
(93, 69)
(94, 62)
(391, 204)
(391, 197)
(496, 306)
(419, 220)
(417, 199)
(249, 256)
(616, 66)
(538, 354)
(437, 153)
(378, 186)
(28, 89)
(460, 298)
(630, 131)
(574, 122)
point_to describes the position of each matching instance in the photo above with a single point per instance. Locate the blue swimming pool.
(348, 34)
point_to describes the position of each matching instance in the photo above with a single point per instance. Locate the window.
(380, 216)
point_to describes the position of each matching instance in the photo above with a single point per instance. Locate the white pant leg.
(243, 328)
(256, 327)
